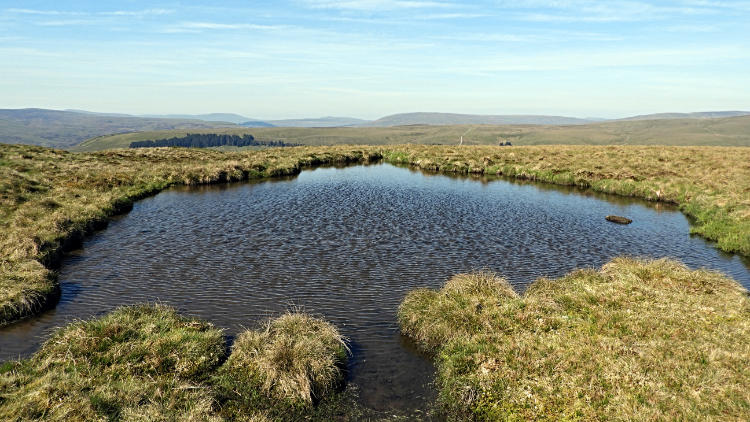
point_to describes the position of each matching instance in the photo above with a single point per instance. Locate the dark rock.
(618, 219)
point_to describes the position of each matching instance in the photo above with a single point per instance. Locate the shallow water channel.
(348, 244)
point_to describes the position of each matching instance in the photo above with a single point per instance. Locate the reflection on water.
(347, 244)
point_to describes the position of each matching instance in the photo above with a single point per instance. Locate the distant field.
(731, 131)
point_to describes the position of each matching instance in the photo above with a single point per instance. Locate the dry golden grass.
(637, 340)
(295, 360)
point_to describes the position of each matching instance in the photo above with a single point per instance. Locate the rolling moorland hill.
(244, 121)
(211, 117)
(700, 115)
(730, 131)
(462, 119)
(63, 129)
(318, 122)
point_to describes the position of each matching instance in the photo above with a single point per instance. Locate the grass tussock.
(49, 199)
(137, 363)
(149, 363)
(636, 340)
(294, 361)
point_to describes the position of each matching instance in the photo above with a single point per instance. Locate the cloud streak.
(378, 5)
(215, 26)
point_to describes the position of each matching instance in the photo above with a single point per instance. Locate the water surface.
(348, 244)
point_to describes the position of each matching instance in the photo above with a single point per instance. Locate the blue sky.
(370, 58)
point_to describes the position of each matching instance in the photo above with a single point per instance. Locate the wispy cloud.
(530, 38)
(42, 12)
(207, 26)
(113, 13)
(74, 22)
(377, 5)
(147, 12)
(452, 16)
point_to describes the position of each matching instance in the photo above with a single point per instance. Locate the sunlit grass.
(149, 363)
(635, 340)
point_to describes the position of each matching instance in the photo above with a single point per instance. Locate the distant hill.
(63, 129)
(470, 119)
(212, 117)
(94, 113)
(699, 115)
(256, 124)
(319, 122)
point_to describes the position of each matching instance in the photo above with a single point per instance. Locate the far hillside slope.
(317, 122)
(699, 115)
(211, 117)
(731, 131)
(63, 129)
(466, 119)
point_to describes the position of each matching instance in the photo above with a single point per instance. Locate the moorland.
(637, 339)
(730, 131)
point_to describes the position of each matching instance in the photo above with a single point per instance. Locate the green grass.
(149, 363)
(635, 340)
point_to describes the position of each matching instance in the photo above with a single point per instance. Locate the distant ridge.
(699, 115)
(318, 122)
(256, 123)
(62, 129)
(465, 119)
(212, 117)
(93, 113)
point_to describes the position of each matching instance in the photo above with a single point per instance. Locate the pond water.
(347, 244)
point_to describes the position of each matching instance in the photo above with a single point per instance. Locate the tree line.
(208, 140)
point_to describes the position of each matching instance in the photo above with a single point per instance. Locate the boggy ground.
(149, 363)
(637, 340)
(49, 199)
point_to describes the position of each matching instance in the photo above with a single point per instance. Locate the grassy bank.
(636, 340)
(710, 184)
(149, 363)
(49, 199)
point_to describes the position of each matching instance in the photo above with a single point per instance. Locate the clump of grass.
(292, 362)
(636, 340)
(454, 311)
(139, 363)
(147, 362)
